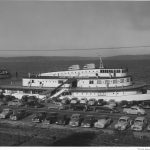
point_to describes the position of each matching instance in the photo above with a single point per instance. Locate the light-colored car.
(83, 101)
(139, 124)
(75, 120)
(91, 102)
(112, 103)
(103, 122)
(15, 102)
(123, 123)
(5, 113)
(73, 101)
(134, 110)
(57, 105)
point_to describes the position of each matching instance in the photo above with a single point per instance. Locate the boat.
(4, 74)
(89, 82)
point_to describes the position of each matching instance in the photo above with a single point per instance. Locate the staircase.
(59, 92)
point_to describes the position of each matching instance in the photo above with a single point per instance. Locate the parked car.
(148, 127)
(134, 110)
(39, 117)
(112, 103)
(62, 119)
(57, 105)
(15, 102)
(139, 124)
(88, 121)
(145, 104)
(79, 107)
(34, 105)
(74, 101)
(91, 102)
(8, 98)
(123, 123)
(5, 113)
(50, 118)
(2, 103)
(75, 120)
(103, 122)
(125, 104)
(101, 102)
(104, 109)
(17, 115)
(65, 101)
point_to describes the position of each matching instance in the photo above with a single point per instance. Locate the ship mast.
(101, 63)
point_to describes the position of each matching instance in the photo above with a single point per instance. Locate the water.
(139, 69)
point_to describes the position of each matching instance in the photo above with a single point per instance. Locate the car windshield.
(122, 120)
(138, 121)
(6, 110)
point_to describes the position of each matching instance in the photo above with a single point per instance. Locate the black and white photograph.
(75, 74)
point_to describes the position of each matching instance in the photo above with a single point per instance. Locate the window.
(128, 79)
(32, 81)
(60, 81)
(91, 82)
(114, 81)
(121, 80)
(99, 82)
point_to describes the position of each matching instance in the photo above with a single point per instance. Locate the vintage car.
(5, 113)
(17, 115)
(112, 103)
(105, 109)
(62, 119)
(79, 107)
(134, 110)
(148, 127)
(88, 121)
(50, 118)
(123, 123)
(75, 120)
(57, 105)
(139, 124)
(39, 117)
(103, 122)
(91, 102)
(2, 103)
(145, 104)
(15, 102)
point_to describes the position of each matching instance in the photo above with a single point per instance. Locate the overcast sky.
(74, 25)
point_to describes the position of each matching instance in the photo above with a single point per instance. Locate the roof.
(140, 118)
(124, 117)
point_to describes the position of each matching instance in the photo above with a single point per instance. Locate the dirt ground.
(12, 135)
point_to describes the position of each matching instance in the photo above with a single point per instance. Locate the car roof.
(124, 117)
(140, 118)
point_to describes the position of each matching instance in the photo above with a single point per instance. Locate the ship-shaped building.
(89, 82)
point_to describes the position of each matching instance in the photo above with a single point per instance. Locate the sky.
(63, 28)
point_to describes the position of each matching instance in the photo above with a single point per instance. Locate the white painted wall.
(102, 82)
(81, 73)
(43, 82)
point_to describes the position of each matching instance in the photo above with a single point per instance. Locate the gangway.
(59, 92)
(51, 93)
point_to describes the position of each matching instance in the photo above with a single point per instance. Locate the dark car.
(88, 121)
(62, 119)
(39, 117)
(50, 118)
(17, 115)
(145, 104)
(79, 107)
(106, 109)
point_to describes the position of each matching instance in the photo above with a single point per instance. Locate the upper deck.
(101, 72)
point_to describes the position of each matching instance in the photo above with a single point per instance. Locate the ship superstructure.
(89, 82)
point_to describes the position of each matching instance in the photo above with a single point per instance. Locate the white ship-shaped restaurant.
(90, 82)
